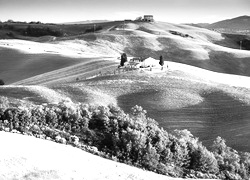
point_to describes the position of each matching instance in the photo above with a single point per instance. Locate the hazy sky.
(175, 11)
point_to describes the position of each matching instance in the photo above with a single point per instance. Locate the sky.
(173, 11)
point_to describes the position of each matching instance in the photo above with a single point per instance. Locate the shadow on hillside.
(224, 63)
(235, 41)
(218, 61)
(170, 52)
(22, 94)
(218, 115)
(16, 66)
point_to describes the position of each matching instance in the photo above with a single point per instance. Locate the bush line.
(134, 139)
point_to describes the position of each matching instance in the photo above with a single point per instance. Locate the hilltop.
(239, 24)
(86, 22)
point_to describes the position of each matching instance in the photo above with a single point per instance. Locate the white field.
(198, 74)
(28, 158)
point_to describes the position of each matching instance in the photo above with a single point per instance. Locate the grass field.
(16, 66)
(180, 100)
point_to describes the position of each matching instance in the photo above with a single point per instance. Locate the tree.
(161, 62)
(10, 21)
(123, 59)
(228, 159)
(1, 82)
(138, 18)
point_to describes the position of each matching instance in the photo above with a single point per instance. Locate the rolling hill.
(48, 160)
(179, 43)
(87, 22)
(235, 31)
(84, 64)
(235, 25)
(203, 86)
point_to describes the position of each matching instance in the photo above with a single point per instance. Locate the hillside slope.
(185, 97)
(178, 43)
(207, 103)
(178, 97)
(239, 24)
(42, 159)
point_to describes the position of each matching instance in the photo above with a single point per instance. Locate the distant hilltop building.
(148, 18)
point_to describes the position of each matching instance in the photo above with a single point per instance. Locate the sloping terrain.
(179, 90)
(235, 31)
(25, 158)
(16, 66)
(184, 97)
(32, 94)
(178, 97)
(178, 43)
(235, 25)
(184, 94)
(83, 68)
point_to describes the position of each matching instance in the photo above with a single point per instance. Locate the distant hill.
(202, 25)
(236, 25)
(87, 22)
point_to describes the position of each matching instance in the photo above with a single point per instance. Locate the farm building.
(149, 62)
(138, 62)
(148, 18)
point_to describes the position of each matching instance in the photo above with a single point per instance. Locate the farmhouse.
(138, 62)
(148, 18)
(149, 62)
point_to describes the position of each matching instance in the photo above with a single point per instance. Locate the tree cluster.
(93, 29)
(132, 138)
(37, 31)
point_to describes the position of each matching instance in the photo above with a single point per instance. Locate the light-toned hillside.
(26, 158)
(202, 99)
(179, 43)
(179, 97)
(64, 60)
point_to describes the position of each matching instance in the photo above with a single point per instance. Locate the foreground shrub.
(132, 138)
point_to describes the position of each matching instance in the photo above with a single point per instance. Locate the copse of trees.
(132, 138)
(38, 31)
(93, 29)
